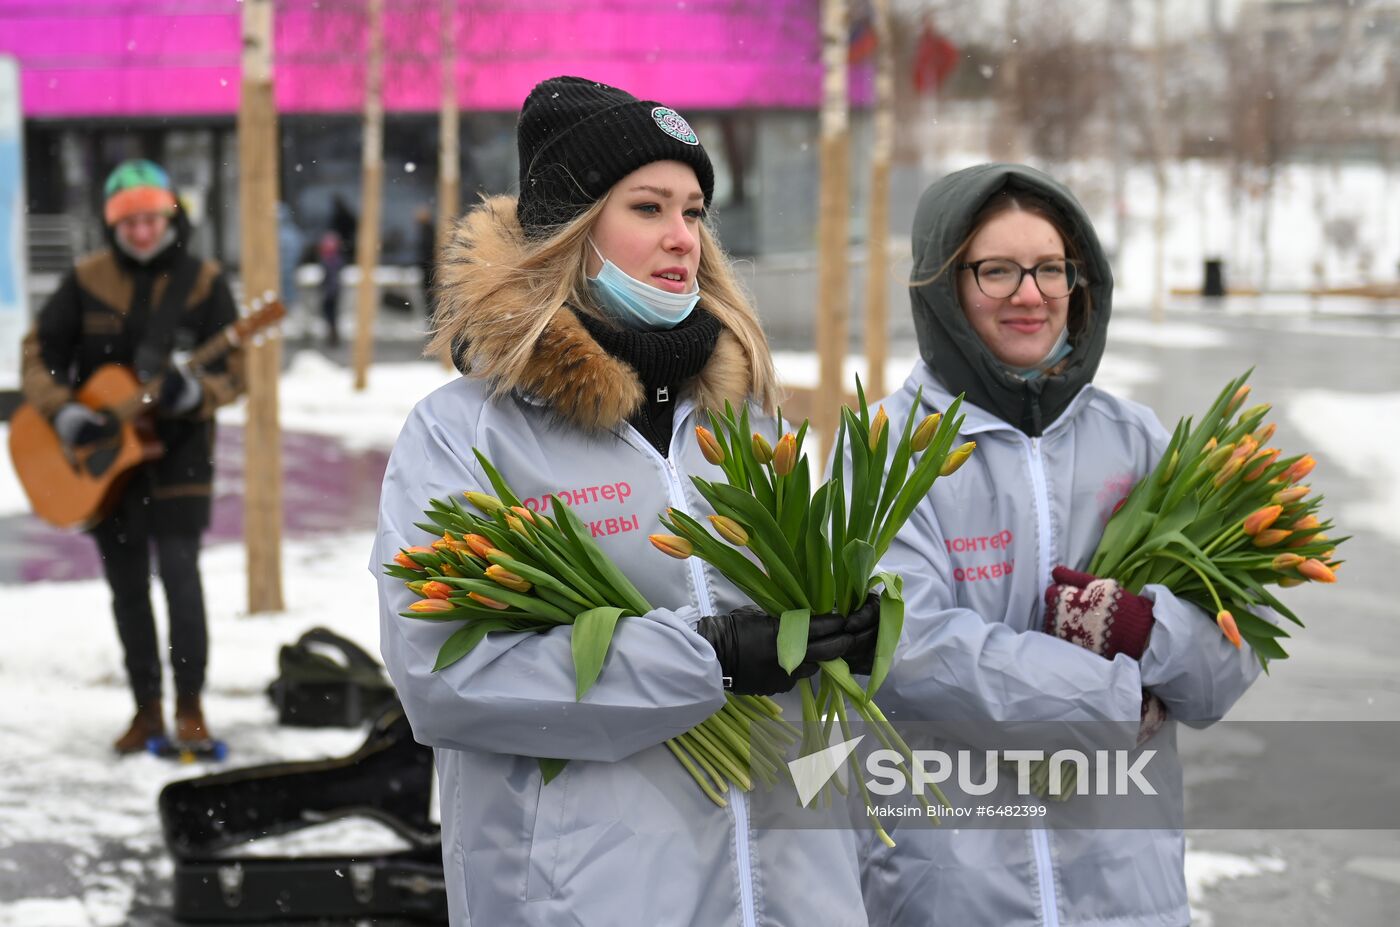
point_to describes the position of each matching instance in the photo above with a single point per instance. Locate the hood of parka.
(947, 342)
(485, 310)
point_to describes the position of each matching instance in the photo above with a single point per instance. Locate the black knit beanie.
(578, 137)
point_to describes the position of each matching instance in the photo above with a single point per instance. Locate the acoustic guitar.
(77, 487)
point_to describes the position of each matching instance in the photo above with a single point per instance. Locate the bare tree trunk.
(833, 297)
(876, 265)
(371, 189)
(1006, 132)
(449, 178)
(257, 194)
(1159, 157)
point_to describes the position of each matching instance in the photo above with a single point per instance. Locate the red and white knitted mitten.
(1097, 614)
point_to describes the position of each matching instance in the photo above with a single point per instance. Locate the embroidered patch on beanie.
(674, 125)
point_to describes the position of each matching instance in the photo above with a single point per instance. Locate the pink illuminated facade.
(103, 80)
(121, 58)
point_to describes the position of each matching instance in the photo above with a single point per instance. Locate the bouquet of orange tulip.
(509, 569)
(1222, 517)
(797, 553)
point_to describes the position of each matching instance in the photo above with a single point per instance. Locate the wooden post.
(371, 188)
(876, 265)
(449, 179)
(832, 281)
(257, 206)
(1159, 158)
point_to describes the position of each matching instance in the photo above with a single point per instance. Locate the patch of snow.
(1357, 432)
(1205, 869)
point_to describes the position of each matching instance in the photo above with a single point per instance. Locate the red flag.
(935, 57)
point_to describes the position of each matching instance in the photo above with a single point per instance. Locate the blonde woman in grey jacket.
(1012, 294)
(595, 319)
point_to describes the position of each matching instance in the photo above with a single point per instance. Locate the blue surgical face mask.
(639, 305)
(1058, 352)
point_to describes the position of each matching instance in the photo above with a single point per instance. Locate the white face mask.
(639, 305)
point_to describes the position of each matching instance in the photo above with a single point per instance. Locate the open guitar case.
(388, 780)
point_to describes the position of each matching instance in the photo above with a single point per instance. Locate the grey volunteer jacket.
(1053, 458)
(623, 835)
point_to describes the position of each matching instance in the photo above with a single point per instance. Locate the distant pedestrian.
(331, 255)
(290, 244)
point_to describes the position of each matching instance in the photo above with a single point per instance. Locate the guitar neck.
(216, 347)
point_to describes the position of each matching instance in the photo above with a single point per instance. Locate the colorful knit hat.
(137, 186)
(578, 137)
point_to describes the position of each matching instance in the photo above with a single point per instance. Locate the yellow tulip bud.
(762, 450)
(448, 569)
(1170, 470)
(785, 455)
(709, 445)
(487, 601)
(501, 576)
(524, 513)
(671, 545)
(1226, 622)
(1262, 518)
(923, 435)
(1286, 562)
(489, 505)
(1228, 471)
(1291, 494)
(957, 458)
(1265, 434)
(877, 427)
(1217, 457)
(730, 530)
(1288, 582)
(1270, 537)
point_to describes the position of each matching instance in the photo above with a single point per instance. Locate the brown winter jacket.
(97, 316)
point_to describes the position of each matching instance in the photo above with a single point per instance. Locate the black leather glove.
(863, 625)
(77, 425)
(179, 392)
(746, 643)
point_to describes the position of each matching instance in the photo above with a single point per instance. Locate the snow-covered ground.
(60, 785)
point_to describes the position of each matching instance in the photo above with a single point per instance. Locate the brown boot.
(189, 720)
(149, 722)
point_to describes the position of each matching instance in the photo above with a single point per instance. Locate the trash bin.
(1214, 284)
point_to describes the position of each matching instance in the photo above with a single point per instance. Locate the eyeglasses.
(999, 278)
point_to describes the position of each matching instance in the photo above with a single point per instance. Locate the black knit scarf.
(665, 361)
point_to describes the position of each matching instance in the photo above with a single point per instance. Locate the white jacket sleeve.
(979, 678)
(515, 693)
(1189, 665)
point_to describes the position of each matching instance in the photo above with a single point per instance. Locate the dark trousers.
(126, 558)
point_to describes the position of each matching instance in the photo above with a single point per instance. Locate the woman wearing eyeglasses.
(1006, 644)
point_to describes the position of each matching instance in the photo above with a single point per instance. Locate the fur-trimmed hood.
(485, 308)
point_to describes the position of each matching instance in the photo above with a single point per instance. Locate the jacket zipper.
(1040, 837)
(738, 801)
